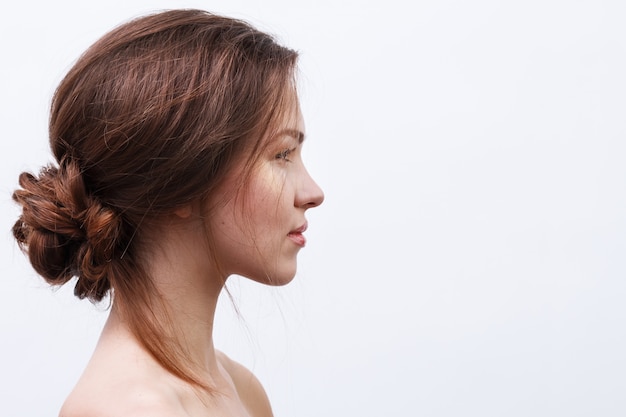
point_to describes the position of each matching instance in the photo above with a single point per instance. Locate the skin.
(252, 230)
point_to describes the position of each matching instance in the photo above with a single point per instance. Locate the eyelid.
(284, 154)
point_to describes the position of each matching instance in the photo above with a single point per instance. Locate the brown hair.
(148, 119)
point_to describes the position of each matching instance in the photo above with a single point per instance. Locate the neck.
(188, 287)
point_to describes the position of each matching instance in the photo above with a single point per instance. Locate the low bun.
(65, 231)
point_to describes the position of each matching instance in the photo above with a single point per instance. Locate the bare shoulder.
(137, 404)
(123, 397)
(248, 387)
(83, 409)
(122, 407)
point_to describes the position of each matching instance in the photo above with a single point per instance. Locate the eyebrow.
(294, 133)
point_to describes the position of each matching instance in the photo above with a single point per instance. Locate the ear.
(184, 212)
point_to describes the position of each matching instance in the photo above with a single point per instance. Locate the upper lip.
(301, 229)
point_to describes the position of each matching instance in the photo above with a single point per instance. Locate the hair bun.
(65, 231)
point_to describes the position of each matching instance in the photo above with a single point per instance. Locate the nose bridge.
(308, 193)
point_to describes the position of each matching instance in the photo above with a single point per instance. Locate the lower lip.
(297, 238)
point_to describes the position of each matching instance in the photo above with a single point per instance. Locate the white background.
(470, 257)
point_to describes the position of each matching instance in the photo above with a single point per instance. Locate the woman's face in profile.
(259, 232)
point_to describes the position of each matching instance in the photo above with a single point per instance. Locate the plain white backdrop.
(470, 257)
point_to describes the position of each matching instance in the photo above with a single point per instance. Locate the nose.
(309, 194)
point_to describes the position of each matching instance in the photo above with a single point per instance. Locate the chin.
(282, 281)
(276, 278)
(284, 276)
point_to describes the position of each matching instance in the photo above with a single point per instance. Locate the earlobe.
(184, 212)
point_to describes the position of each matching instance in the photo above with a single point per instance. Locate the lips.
(297, 236)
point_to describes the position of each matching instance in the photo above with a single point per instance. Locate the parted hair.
(149, 119)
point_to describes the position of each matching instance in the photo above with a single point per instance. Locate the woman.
(177, 139)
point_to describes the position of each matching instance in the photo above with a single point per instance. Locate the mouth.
(297, 236)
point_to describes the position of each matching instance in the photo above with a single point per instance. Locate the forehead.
(286, 127)
(290, 122)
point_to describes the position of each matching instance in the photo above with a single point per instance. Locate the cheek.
(264, 211)
(243, 223)
(266, 195)
(261, 210)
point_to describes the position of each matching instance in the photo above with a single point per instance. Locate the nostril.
(317, 199)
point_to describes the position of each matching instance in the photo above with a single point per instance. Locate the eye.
(284, 155)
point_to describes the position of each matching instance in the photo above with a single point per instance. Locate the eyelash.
(284, 155)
